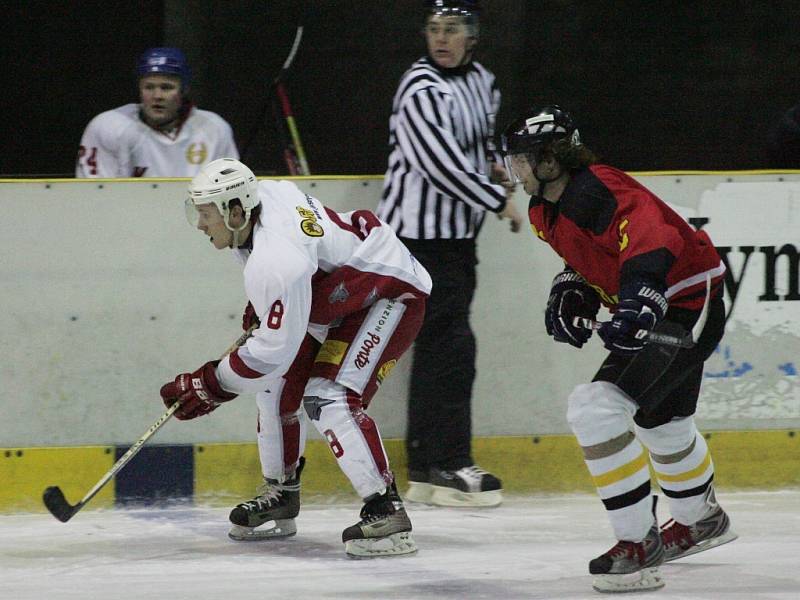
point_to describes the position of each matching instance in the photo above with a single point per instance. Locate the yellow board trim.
(226, 474)
(26, 472)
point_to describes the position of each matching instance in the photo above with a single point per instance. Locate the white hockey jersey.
(296, 241)
(117, 143)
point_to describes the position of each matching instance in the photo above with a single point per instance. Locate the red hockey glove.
(250, 318)
(199, 392)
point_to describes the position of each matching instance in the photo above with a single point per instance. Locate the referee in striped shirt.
(444, 175)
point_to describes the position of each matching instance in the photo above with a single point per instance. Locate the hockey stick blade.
(57, 504)
(54, 498)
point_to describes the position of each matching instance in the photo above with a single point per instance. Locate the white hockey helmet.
(220, 182)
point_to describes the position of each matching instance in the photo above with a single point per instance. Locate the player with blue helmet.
(163, 135)
(166, 61)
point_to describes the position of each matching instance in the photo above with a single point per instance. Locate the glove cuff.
(209, 375)
(568, 276)
(648, 295)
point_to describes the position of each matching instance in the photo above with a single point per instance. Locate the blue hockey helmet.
(167, 61)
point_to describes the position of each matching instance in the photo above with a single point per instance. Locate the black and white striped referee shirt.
(437, 183)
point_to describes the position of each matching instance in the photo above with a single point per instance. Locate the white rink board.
(107, 293)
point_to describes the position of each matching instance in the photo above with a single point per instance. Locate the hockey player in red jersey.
(336, 299)
(626, 249)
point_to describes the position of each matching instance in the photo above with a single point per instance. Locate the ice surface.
(531, 547)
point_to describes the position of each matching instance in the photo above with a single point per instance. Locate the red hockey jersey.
(616, 233)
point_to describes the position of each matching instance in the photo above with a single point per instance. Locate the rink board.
(218, 474)
(130, 299)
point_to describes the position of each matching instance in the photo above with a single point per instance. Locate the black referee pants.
(439, 428)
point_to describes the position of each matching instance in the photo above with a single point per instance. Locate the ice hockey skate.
(384, 528)
(630, 566)
(466, 487)
(709, 532)
(270, 514)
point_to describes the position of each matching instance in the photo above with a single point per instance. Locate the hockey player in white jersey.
(338, 299)
(164, 135)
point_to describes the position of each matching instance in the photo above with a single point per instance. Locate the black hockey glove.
(640, 307)
(570, 297)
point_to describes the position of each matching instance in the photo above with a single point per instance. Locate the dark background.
(653, 85)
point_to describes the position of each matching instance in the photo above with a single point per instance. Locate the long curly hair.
(572, 156)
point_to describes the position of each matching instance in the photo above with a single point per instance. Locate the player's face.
(520, 169)
(161, 99)
(210, 222)
(449, 41)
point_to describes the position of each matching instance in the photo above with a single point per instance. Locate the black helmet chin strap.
(543, 182)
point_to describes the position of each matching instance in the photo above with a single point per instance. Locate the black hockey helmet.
(538, 127)
(469, 10)
(454, 8)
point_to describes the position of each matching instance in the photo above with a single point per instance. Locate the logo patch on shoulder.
(311, 228)
(309, 224)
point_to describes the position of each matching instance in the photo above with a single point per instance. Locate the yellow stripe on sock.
(696, 472)
(620, 473)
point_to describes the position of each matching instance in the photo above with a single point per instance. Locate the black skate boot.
(469, 486)
(384, 529)
(630, 566)
(712, 530)
(276, 505)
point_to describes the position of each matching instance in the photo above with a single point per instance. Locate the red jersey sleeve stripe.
(241, 369)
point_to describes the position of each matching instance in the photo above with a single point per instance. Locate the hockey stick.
(277, 98)
(54, 498)
(688, 340)
(294, 153)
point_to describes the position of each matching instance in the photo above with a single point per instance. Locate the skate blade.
(726, 537)
(444, 496)
(640, 581)
(396, 544)
(271, 529)
(419, 492)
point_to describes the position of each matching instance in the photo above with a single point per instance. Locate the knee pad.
(670, 439)
(599, 411)
(313, 406)
(354, 440)
(335, 415)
